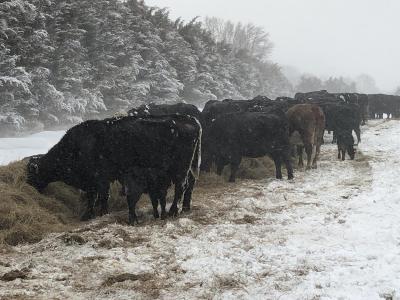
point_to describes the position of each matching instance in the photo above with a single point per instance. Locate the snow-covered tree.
(62, 61)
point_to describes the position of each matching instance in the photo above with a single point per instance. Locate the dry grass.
(257, 168)
(26, 216)
(250, 168)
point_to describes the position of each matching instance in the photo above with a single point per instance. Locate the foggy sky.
(322, 37)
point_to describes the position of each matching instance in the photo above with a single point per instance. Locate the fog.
(325, 38)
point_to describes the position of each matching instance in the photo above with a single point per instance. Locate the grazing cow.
(165, 109)
(345, 142)
(213, 108)
(381, 104)
(309, 121)
(342, 116)
(153, 109)
(248, 134)
(360, 101)
(145, 154)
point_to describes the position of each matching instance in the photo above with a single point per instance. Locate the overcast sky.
(322, 37)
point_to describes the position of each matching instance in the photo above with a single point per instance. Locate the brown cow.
(309, 121)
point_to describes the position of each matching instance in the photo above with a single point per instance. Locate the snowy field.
(332, 233)
(12, 149)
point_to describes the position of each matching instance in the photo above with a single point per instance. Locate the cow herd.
(155, 146)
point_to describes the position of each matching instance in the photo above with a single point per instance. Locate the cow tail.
(197, 154)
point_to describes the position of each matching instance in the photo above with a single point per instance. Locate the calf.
(345, 142)
(309, 121)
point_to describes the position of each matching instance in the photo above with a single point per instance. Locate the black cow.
(342, 116)
(380, 104)
(248, 134)
(145, 154)
(214, 108)
(338, 108)
(345, 142)
(165, 109)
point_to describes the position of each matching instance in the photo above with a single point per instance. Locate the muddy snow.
(332, 233)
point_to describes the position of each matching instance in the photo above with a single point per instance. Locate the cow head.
(35, 176)
(351, 150)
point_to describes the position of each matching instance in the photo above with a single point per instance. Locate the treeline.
(62, 61)
(309, 83)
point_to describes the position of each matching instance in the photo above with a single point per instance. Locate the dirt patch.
(121, 239)
(15, 274)
(246, 220)
(250, 168)
(127, 277)
(73, 239)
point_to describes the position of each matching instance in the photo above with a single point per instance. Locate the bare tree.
(309, 83)
(366, 84)
(249, 37)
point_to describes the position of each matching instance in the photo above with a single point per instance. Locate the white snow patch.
(12, 149)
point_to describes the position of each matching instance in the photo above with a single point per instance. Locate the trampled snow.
(332, 233)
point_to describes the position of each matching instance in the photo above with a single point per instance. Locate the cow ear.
(35, 168)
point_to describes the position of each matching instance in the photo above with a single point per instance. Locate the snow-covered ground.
(12, 149)
(332, 233)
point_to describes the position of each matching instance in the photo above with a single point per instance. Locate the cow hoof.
(133, 222)
(232, 180)
(290, 177)
(156, 215)
(163, 216)
(308, 168)
(185, 209)
(314, 167)
(133, 219)
(87, 216)
(173, 212)
(103, 212)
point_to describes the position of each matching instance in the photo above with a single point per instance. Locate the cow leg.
(91, 196)
(163, 204)
(220, 165)
(300, 155)
(309, 150)
(339, 153)
(343, 154)
(288, 164)
(278, 166)
(358, 133)
(334, 140)
(104, 195)
(158, 194)
(179, 190)
(188, 193)
(316, 157)
(235, 163)
(133, 191)
(154, 197)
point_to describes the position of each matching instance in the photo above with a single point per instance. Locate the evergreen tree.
(62, 61)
